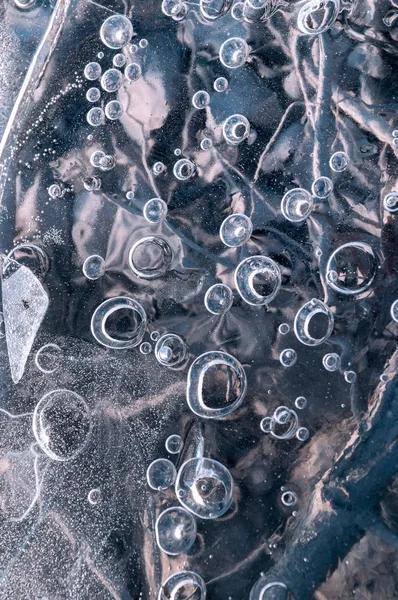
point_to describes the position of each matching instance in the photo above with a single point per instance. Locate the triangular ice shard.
(24, 305)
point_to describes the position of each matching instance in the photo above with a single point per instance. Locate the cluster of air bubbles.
(220, 84)
(119, 60)
(170, 350)
(133, 72)
(284, 328)
(93, 94)
(390, 202)
(174, 444)
(234, 53)
(204, 487)
(94, 496)
(283, 425)
(184, 169)
(48, 358)
(288, 498)
(297, 205)
(236, 230)
(161, 474)
(394, 311)
(300, 402)
(218, 299)
(96, 116)
(201, 99)
(258, 280)
(111, 80)
(158, 168)
(55, 191)
(92, 71)
(176, 9)
(183, 584)
(155, 210)
(94, 267)
(145, 348)
(107, 162)
(288, 357)
(236, 128)
(206, 144)
(175, 531)
(317, 16)
(350, 376)
(338, 162)
(322, 187)
(331, 361)
(116, 31)
(150, 257)
(92, 184)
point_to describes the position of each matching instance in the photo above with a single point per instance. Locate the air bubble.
(236, 129)
(107, 162)
(297, 205)
(214, 9)
(175, 531)
(206, 144)
(184, 169)
(130, 195)
(92, 184)
(390, 202)
(48, 358)
(339, 162)
(196, 374)
(155, 210)
(218, 299)
(133, 72)
(176, 9)
(143, 43)
(331, 361)
(92, 71)
(300, 402)
(174, 444)
(62, 424)
(155, 335)
(185, 585)
(119, 60)
(302, 434)
(113, 110)
(94, 496)
(220, 84)
(355, 266)
(288, 498)
(161, 474)
(288, 357)
(170, 350)
(204, 487)
(96, 158)
(266, 424)
(116, 32)
(322, 187)
(317, 16)
(93, 94)
(158, 168)
(236, 230)
(234, 53)
(313, 332)
(284, 328)
(350, 376)
(287, 429)
(150, 257)
(145, 348)
(96, 116)
(394, 311)
(282, 415)
(94, 267)
(111, 80)
(55, 191)
(201, 99)
(119, 323)
(261, 272)
(238, 10)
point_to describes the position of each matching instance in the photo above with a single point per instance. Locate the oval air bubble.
(286, 430)
(170, 350)
(185, 585)
(350, 376)
(322, 187)
(317, 16)
(94, 496)
(288, 357)
(331, 361)
(297, 205)
(236, 129)
(48, 358)
(174, 444)
(111, 80)
(288, 498)
(161, 474)
(145, 348)
(338, 162)
(201, 99)
(259, 271)
(354, 265)
(195, 381)
(238, 10)
(96, 158)
(155, 210)
(236, 230)
(119, 323)
(175, 531)
(150, 257)
(62, 424)
(390, 202)
(394, 310)
(214, 9)
(218, 299)
(234, 53)
(184, 169)
(116, 32)
(204, 487)
(132, 72)
(94, 267)
(309, 332)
